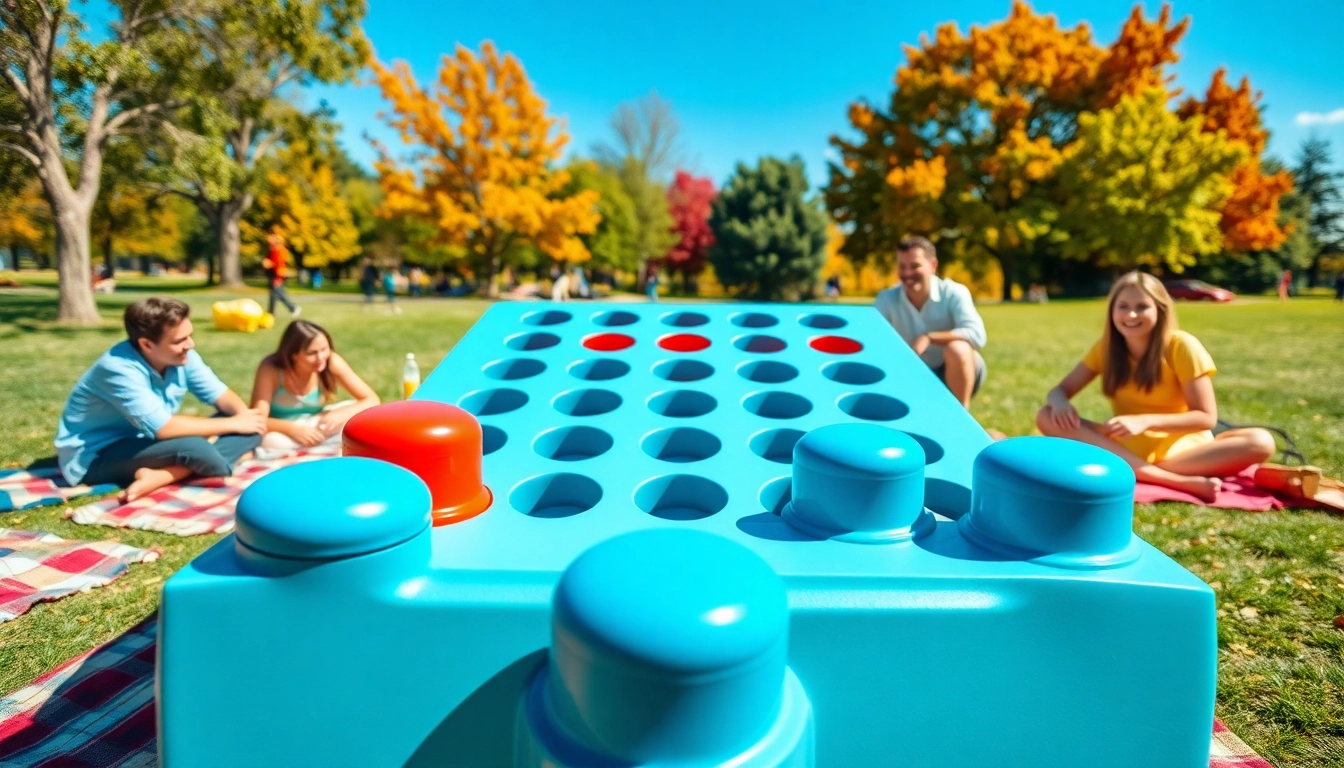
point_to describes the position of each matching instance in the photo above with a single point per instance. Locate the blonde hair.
(1148, 371)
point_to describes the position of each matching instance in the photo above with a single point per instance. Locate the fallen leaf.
(1316, 417)
(152, 580)
(1215, 585)
(83, 619)
(1217, 566)
(1301, 402)
(1339, 621)
(1247, 612)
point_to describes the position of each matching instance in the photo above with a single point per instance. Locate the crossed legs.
(1197, 470)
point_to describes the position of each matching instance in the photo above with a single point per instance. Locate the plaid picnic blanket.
(24, 488)
(98, 710)
(200, 506)
(37, 566)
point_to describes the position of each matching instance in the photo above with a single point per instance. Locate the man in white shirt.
(937, 318)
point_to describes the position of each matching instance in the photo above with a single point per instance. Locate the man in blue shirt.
(120, 424)
(937, 318)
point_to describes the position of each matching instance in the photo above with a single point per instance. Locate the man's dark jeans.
(118, 462)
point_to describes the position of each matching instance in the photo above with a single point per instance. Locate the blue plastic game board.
(844, 627)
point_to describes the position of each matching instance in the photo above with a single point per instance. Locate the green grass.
(1279, 576)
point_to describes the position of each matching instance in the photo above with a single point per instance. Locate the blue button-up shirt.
(121, 396)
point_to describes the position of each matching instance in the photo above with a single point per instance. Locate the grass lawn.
(1279, 576)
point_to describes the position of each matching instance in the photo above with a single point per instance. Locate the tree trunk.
(491, 266)
(75, 305)
(230, 241)
(14, 252)
(1006, 264)
(107, 254)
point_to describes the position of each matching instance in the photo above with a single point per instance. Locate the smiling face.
(171, 348)
(314, 357)
(915, 269)
(1134, 314)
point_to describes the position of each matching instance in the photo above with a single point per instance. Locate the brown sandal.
(1307, 484)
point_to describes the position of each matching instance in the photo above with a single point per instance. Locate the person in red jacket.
(274, 263)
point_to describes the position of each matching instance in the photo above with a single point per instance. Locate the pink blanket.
(1239, 492)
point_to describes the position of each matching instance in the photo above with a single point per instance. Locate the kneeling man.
(120, 424)
(937, 318)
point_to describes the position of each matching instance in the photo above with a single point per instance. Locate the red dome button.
(440, 443)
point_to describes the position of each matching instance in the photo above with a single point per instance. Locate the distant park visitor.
(120, 424)
(276, 272)
(1159, 381)
(937, 318)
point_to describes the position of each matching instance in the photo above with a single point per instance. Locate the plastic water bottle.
(410, 376)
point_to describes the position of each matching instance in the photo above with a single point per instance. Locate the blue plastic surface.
(934, 650)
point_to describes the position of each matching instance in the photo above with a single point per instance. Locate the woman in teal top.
(297, 388)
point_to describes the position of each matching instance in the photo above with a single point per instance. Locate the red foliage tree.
(689, 199)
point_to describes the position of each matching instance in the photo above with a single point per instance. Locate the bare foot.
(1206, 488)
(149, 480)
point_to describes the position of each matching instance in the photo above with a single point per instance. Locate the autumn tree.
(1250, 217)
(689, 201)
(25, 220)
(969, 145)
(66, 95)
(770, 239)
(483, 176)
(1143, 187)
(302, 202)
(614, 243)
(253, 56)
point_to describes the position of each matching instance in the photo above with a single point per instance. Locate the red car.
(1197, 290)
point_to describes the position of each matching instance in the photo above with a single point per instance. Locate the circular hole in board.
(872, 406)
(492, 439)
(767, 371)
(777, 405)
(525, 342)
(562, 494)
(615, 318)
(684, 319)
(680, 444)
(683, 342)
(547, 317)
(490, 402)
(823, 321)
(572, 443)
(682, 403)
(857, 374)
(775, 444)
(835, 345)
(759, 342)
(682, 370)
(608, 342)
(752, 319)
(586, 402)
(514, 369)
(599, 369)
(680, 497)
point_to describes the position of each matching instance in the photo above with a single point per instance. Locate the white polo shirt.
(948, 308)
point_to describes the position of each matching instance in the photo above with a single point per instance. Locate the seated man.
(120, 424)
(937, 318)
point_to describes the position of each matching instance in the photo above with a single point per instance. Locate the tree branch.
(265, 145)
(23, 152)
(18, 85)
(134, 113)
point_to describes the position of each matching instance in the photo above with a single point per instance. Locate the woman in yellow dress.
(1159, 381)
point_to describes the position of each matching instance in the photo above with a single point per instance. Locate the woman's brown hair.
(293, 342)
(1115, 352)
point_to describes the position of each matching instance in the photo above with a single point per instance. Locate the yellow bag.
(241, 315)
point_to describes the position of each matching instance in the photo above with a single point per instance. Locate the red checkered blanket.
(98, 710)
(37, 566)
(200, 506)
(24, 488)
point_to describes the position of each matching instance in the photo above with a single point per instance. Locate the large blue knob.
(332, 508)
(669, 647)
(856, 482)
(1053, 501)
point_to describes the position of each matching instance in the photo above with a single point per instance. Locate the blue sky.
(749, 78)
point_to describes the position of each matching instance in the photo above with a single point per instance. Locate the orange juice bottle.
(410, 376)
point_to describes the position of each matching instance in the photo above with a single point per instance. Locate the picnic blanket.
(24, 488)
(205, 505)
(98, 710)
(37, 566)
(1239, 492)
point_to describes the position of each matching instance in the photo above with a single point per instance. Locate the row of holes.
(616, 318)
(758, 343)
(679, 445)
(685, 403)
(760, 371)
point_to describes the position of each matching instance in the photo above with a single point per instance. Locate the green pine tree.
(771, 239)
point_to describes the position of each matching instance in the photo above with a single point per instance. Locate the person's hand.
(1064, 416)
(920, 344)
(306, 436)
(249, 422)
(1124, 426)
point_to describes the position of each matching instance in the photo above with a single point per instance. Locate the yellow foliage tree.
(305, 205)
(131, 221)
(484, 177)
(25, 220)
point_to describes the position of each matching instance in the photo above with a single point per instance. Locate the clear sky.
(749, 78)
